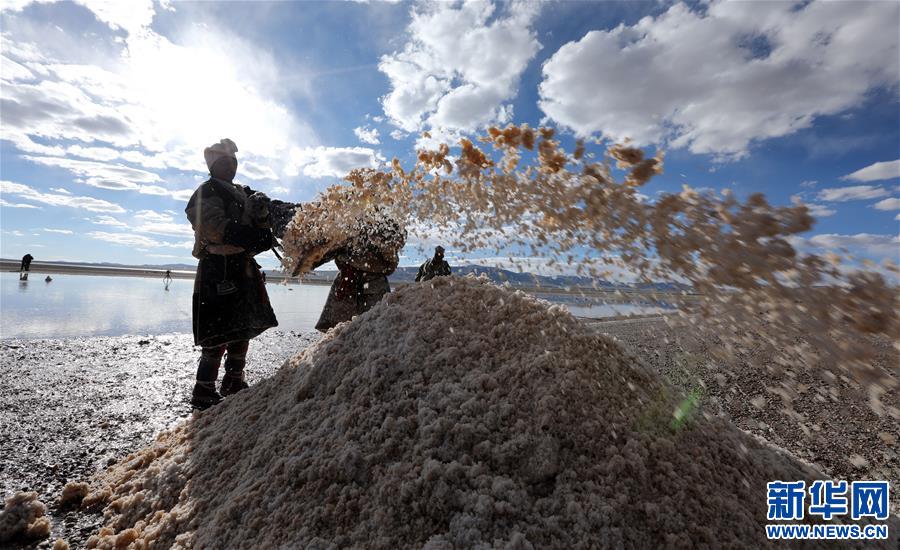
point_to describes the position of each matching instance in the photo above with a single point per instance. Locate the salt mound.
(23, 518)
(452, 414)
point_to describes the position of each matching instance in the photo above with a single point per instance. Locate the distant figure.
(26, 265)
(48, 279)
(364, 264)
(230, 304)
(434, 267)
(167, 279)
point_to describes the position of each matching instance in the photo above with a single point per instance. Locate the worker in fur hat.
(230, 303)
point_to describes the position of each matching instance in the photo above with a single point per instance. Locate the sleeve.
(206, 212)
(421, 273)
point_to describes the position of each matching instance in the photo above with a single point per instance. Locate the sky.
(106, 107)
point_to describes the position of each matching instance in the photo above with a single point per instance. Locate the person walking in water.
(167, 280)
(435, 266)
(230, 303)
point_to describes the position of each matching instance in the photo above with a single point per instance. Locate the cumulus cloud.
(880, 246)
(718, 77)
(55, 199)
(257, 171)
(367, 135)
(875, 172)
(892, 203)
(852, 193)
(820, 210)
(321, 162)
(817, 210)
(141, 98)
(460, 63)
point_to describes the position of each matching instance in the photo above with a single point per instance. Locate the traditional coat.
(360, 283)
(431, 269)
(230, 301)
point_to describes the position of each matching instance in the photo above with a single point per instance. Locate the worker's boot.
(204, 395)
(232, 383)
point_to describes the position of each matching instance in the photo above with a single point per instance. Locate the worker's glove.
(252, 239)
(258, 204)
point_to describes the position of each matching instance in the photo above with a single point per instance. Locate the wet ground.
(70, 407)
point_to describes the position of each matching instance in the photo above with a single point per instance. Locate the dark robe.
(230, 301)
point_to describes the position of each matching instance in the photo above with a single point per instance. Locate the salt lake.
(98, 305)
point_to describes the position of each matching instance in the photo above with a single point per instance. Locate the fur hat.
(225, 148)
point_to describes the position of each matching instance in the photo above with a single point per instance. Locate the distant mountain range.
(515, 278)
(408, 275)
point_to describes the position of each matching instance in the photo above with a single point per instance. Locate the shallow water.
(90, 305)
(97, 305)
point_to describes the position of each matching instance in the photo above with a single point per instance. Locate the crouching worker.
(230, 303)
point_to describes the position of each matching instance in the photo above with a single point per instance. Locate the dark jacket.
(230, 301)
(360, 283)
(431, 269)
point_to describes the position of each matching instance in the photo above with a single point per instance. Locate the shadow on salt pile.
(453, 414)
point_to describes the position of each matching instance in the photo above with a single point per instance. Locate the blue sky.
(106, 107)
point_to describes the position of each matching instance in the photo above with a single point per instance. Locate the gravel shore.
(68, 408)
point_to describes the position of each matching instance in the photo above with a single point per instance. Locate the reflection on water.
(88, 305)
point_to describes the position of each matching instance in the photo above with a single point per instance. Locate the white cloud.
(892, 203)
(398, 135)
(107, 220)
(60, 190)
(878, 171)
(131, 16)
(719, 77)
(320, 162)
(862, 243)
(460, 64)
(256, 171)
(101, 174)
(53, 199)
(166, 228)
(4, 202)
(153, 216)
(130, 239)
(820, 210)
(143, 99)
(852, 193)
(60, 231)
(367, 135)
(817, 210)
